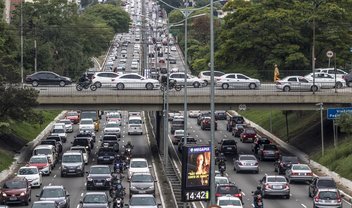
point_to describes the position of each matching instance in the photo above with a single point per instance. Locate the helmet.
(129, 143)
(259, 187)
(117, 156)
(222, 154)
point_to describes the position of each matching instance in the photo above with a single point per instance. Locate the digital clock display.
(196, 196)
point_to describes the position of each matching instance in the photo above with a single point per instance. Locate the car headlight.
(89, 179)
(64, 167)
(79, 167)
(108, 179)
(133, 187)
(4, 194)
(22, 194)
(62, 202)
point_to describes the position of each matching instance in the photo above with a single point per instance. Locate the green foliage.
(6, 159)
(344, 121)
(339, 159)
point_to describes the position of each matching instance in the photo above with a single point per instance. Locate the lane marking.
(82, 194)
(304, 206)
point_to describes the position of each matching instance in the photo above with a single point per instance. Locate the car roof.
(54, 187)
(138, 159)
(95, 193)
(27, 167)
(142, 195)
(86, 119)
(325, 178)
(44, 202)
(228, 197)
(328, 189)
(71, 153)
(275, 176)
(44, 146)
(245, 155)
(99, 166)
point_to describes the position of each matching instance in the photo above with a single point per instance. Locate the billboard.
(195, 173)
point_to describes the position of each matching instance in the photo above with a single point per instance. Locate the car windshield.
(270, 147)
(15, 185)
(95, 199)
(72, 114)
(178, 122)
(139, 164)
(290, 159)
(229, 142)
(112, 125)
(135, 121)
(328, 195)
(65, 121)
(249, 131)
(227, 189)
(114, 116)
(52, 193)
(27, 171)
(44, 205)
(83, 150)
(38, 160)
(100, 170)
(142, 201)
(221, 180)
(247, 158)
(300, 167)
(229, 202)
(58, 131)
(42, 151)
(71, 158)
(141, 178)
(86, 122)
(276, 179)
(326, 183)
(110, 138)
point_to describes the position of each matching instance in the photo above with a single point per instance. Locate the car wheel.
(252, 86)
(225, 86)
(120, 86)
(196, 84)
(206, 83)
(338, 85)
(62, 84)
(26, 202)
(349, 83)
(314, 88)
(98, 84)
(287, 196)
(35, 84)
(286, 89)
(149, 86)
(62, 175)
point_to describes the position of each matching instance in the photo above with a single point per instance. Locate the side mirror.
(126, 205)
(80, 201)
(67, 195)
(159, 204)
(342, 195)
(149, 166)
(37, 195)
(155, 181)
(87, 172)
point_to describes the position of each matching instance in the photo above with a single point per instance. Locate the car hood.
(30, 177)
(56, 199)
(85, 126)
(95, 205)
(140, 170)
(99, 176)
(72, 164)
(72, 117)
(13, 191)
(112, 129)
(142, 184)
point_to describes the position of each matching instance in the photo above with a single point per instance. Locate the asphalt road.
(248, 181)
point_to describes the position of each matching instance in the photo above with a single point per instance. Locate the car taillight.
(316, 199)
(256, 163)
(244, 135)
(287, 186)
(268, 186)
(217, 195)
(293, 173)
(339, 200)
(238, 195)
(310, 174)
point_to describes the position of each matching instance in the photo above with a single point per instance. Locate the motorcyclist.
(257, 193)
(116, 189)
(118, 163)
(129, 145)
(222, 164)
(220, 158)
(84, 80)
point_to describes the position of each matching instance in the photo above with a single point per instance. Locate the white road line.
(77, 205)
(49, 184)
(54, 176)
(82, 194)
(304, 206)
(156, 174)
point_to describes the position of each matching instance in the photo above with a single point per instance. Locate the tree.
(344, 121)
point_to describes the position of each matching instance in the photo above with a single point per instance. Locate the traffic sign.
(186, 12)
(242, 107)
(333, 113)
(329, 54)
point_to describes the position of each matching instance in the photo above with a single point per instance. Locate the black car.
(228, 189)
(106, 155)
(99, 177)
(56, 193)
(87, 134)
(322, 182)
(47, 78)
(190, 140)
(259, 141)
(228, 146)
(202, 116)
(220, 115)
(53, 143)
(82, 141)
(284, 163)
(110, 141)
(57, 138)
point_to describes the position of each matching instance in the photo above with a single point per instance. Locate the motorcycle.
(117, 190)
(258, 201)
(85, 85)
(172, 85)
(222, 168)
(118, 202)
(119, 167)
(128, 152)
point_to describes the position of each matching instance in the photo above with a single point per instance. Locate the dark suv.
(105, 155)
(268, 151)
(206, 124)
(220, 115)
(228, 189)
(228, 146)
(284, 163)
(110, 141)
(259, 141)
(99, 176)
(322, 182)
(16, 191)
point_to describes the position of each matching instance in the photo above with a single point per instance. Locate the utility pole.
(22, 74)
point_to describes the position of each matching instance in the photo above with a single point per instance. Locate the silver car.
(57, 194)
(143, 200)
(221, 180)
(275, 186)
(142, 183)
(327, 198)
(246, 163)
(95, 200)
(299, 172)
(296, 83)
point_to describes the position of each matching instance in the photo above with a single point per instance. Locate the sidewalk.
(345, 184)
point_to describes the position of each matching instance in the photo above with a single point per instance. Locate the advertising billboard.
(195, 173)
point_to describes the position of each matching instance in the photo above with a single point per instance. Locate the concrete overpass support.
(157, 121)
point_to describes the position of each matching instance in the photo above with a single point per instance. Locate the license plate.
(277, 187)
(142, 192)
(302, 174)
(106, 158)
(13, 198)
(99, 184)
(229, 148)
(71, 170)
(327, 201)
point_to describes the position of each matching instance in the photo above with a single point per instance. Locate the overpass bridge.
(267, 97)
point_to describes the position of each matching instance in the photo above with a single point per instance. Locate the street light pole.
(321, 127)
(185, 74)
(22, 42)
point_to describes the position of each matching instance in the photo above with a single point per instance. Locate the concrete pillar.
(159, 129)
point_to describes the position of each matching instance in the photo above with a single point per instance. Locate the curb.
(305, 158)
(21, 158)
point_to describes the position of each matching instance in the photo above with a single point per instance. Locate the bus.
(93, 114)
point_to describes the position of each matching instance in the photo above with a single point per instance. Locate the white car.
(339, 73)
(136, 81)
(229, 202)
(174, 70)
(106, 79)
(112, 128)
(143, 200)
(296, 83)
(32, 174)
(221, 180)
(205, 75)
(326, 80)
(173, 48)
(84, 152)
(138, 165)
(194, 113)
(59, 131)
(191, 80)
(236, 80)
(86, 124)
(68, 124)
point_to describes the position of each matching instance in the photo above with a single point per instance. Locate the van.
(49, 151)
(177, 124)
(72, 163)
(60, 125)
(135, 125)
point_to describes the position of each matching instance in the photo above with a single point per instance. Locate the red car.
(16, 191)
(206, 122)
(248, 135)
(41, 162)
(73, 116)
